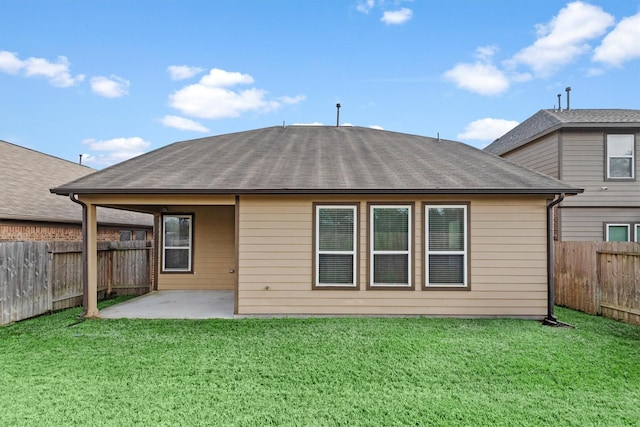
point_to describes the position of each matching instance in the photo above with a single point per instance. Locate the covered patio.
(175, 305)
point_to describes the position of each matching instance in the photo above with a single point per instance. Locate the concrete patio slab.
(175, 305)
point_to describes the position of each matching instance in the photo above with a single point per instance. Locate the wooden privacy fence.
(37, 277)
(599, 278)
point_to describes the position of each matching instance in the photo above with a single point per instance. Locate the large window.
(618, 233)
(336, 242)
(390, 245)
(446, 244)
(620, 156)
(177, 243)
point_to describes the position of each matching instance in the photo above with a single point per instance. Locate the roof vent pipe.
(338, 117)
(80, 160)
(559, 106)
(568, 89)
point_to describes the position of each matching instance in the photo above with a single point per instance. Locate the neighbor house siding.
(507, 255)
(541, 155)
(213, 250)
(588, 224)
(583, 165)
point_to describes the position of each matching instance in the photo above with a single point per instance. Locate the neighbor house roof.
(25, 179)
(316, 159)
(546, 121)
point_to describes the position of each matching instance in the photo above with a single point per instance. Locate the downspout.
(551, 320)
(85, 276)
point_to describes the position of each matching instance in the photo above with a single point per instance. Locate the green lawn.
(322, 371)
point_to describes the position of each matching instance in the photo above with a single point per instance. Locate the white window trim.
(464, 253)
(632, 157)
(353, 252)
(628, 226)
(374, 252)
(165, 247)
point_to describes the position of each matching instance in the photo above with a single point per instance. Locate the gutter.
(85, 273)
(551, 320)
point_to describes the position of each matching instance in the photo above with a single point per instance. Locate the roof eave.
(293, 191)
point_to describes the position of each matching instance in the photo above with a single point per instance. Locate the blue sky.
(113, 79)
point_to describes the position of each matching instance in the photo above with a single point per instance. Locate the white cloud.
(182, 72)
(397, 17)
(481, 78)
(365, 6)
(486, 129)
(213, 97)
(222, 78)
(378, 127)
(183, 124)
(622, 44)
(290, 100)
(9, 62)
(110, 87)
(564, 38)
(116, 150)
(308, 124)
(56, 72)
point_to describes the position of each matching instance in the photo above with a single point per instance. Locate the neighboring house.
(29, 212)
(591, 149)
(348, 220)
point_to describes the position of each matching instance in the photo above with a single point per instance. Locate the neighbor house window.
(637, 231)
(618, 233)
(141, 235)
(446, 245)
(177, 243)
(336, 241)
(125, 235)
(390, 245)
(620, 156)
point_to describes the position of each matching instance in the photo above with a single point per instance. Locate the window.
(620, 156)
(618, 233)
(177, 243)
(125, 235)
(141, 235)
(637, 231)
(390, 243)
(336, 240)
(446, 245)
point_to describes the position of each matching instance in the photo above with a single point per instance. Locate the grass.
(321, 371)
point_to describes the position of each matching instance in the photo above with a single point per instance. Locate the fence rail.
(37, 277)
(599, 278)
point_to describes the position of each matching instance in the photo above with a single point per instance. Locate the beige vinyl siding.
(507, 254)
(541, 155)
(213, 250)
(587, 224)
(584, 165)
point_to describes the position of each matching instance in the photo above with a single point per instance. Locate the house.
(339, 220)
(592, 148)
(29, 212)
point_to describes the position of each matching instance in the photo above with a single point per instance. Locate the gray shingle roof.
(25, 179)
(316, 159)
(545, 121)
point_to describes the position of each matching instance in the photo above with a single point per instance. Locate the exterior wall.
(214, 254)
(583, 165)
(17, 231)
(541, 155)
(507, 260)
(588, 224)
